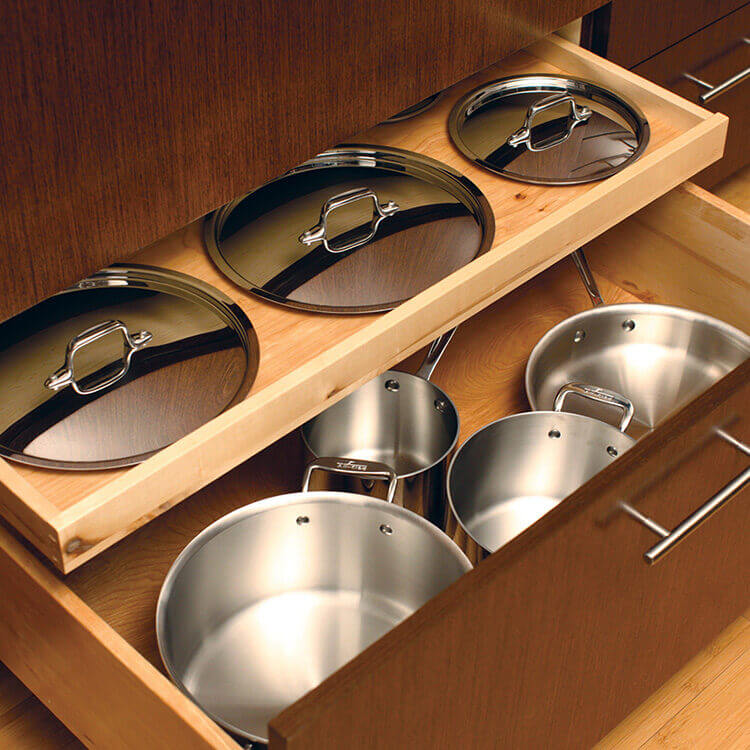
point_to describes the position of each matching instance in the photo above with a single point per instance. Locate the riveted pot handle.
(578, 115)
(355, 468)
(319, 232)
(601, 396)
(132, 342)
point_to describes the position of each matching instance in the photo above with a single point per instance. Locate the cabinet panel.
(715, 54)
(123, 121)
(639, 29)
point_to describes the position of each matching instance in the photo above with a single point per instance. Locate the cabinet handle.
(720, 88)
(669, 539)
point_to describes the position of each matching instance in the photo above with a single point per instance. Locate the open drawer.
(549, 642)
(310, 361)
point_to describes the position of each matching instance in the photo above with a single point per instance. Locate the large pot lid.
(550, 130)
(356, 229)
(119, 366)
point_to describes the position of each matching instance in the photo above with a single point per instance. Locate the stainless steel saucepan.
(511, 472)
(659, 357)
(268, 601)
(401, 420)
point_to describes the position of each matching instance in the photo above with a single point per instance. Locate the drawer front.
(639, 29)
(556, 637)
(713, 55)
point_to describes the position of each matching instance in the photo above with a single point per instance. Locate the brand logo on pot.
(351, 465)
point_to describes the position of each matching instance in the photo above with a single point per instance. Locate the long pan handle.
(437, 347)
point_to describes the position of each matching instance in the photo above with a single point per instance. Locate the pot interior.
(657, 356)
(511, 472)
(396, 418)
(272, 599)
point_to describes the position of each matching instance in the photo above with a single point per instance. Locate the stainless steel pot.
(268, 601)
(659, 357)
(511, 472)
(401, 420)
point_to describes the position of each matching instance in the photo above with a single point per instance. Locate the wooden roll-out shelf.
(309, 361)
(566, 626)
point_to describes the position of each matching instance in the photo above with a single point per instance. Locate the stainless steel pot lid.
(357, 229)
(549, 130)
(415, 109)
(119, 366)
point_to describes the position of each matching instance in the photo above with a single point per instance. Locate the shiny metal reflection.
(261, 606)
(659, 357)
(511, 472)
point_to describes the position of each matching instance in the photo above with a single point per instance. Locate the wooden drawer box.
(548, 643)
(309, 361)
(714, 54)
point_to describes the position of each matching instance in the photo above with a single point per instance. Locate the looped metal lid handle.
(320, 231)
(353, 467)
(578, 115)
(600, 395)
(132, 342)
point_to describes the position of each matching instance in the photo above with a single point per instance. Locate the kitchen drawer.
(714, 54)
(310, 361)
(549, 642)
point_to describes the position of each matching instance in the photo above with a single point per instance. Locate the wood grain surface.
(713, 54)
(309, 361)
(639, 29)
(123, 121)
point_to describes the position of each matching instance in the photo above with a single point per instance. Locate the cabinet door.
(718, 53)
(559, 635)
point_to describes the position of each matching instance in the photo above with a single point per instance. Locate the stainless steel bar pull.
(669, 539)
(720, 88)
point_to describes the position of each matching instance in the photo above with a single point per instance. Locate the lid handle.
(578, 115)
(132, 342)
(320, 230)
(353, 467)
(600, 395)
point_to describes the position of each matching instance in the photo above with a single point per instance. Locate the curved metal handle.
(320, 230)
(578, 115)
(600, 395)
(582, 265)
(434, 353)
(353, 467)
(65, 376)
(720, 88)
(670, 538)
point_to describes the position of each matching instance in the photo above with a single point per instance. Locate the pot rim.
(683, 313)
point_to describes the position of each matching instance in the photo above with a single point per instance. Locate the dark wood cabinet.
(714, 54)
(124, 121)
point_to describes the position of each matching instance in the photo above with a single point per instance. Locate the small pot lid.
(119, 366)
(356, 229)
(415, 109)
(549, 130)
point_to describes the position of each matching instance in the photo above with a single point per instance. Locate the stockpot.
(658, 356)
(398, 419)
(511, 472)
(272, 598)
